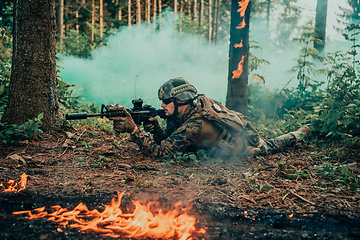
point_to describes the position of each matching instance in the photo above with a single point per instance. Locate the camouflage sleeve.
(181, 139)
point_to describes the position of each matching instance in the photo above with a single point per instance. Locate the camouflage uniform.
(190, 134)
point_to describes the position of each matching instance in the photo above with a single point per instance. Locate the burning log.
(112, 221)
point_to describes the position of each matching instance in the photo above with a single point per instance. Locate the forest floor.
(304, 192)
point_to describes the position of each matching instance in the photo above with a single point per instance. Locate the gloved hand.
(122, 124)
(152, 125)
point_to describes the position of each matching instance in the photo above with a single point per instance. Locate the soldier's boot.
(287, 140)
(301, 133)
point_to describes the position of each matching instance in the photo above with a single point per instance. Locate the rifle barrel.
(72, 116)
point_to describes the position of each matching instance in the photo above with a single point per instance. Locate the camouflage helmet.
(178, 88)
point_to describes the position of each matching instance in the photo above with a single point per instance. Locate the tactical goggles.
(167, 101)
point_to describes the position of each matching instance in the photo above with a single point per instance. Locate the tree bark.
(237, 93)
(33, 84)
(61, 23)
(320, 23)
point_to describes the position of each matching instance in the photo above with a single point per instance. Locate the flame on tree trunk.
(237, 93)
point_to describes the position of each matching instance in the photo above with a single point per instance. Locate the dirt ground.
(282, 196)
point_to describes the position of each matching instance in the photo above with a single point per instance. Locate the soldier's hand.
(122, 124)
(152, 125)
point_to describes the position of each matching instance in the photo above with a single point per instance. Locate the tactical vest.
(224, 131)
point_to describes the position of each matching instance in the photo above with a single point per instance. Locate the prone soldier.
(202, 124)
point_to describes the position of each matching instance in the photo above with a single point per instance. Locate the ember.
(13, 185)
(112, 221)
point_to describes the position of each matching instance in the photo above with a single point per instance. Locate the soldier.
(204, 124)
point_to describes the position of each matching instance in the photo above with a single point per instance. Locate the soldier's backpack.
(237, 137)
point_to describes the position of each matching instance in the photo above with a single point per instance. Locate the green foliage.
(340, 174)
(18, 134)
(5, 66)
(181, 157)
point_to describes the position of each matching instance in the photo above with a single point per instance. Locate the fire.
(243, 4)
(112, 221)
(291, 215)
(239, 45)
(13, 184)
(239, 70)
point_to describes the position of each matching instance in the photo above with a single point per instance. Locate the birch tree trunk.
(33, 84)
(237, 93)
(320, 23)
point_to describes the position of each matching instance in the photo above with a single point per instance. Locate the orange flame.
(13, 184)
(239, 45)
(291, 215)
(112, 221)
(237, 73)
(243, 4)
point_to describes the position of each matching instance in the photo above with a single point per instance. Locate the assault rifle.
(139, 113)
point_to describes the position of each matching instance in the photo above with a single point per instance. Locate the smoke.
(138, 60)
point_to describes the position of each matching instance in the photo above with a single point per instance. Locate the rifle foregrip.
(73, 116)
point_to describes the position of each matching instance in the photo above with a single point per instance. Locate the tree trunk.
(217, 19)
(175, 7)
(61, 23)
(237, 93)
(210, 21)
(201, 12)
(33, 85)
(268, 15)
(320, 23)
(195, 11)
(147, 11)
(154, 14)
(138, 12)
(214, 20)
(92, 36)
(129, 12)
(101, 19)
(160, 14)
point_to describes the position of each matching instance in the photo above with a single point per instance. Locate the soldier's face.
(168, 108)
